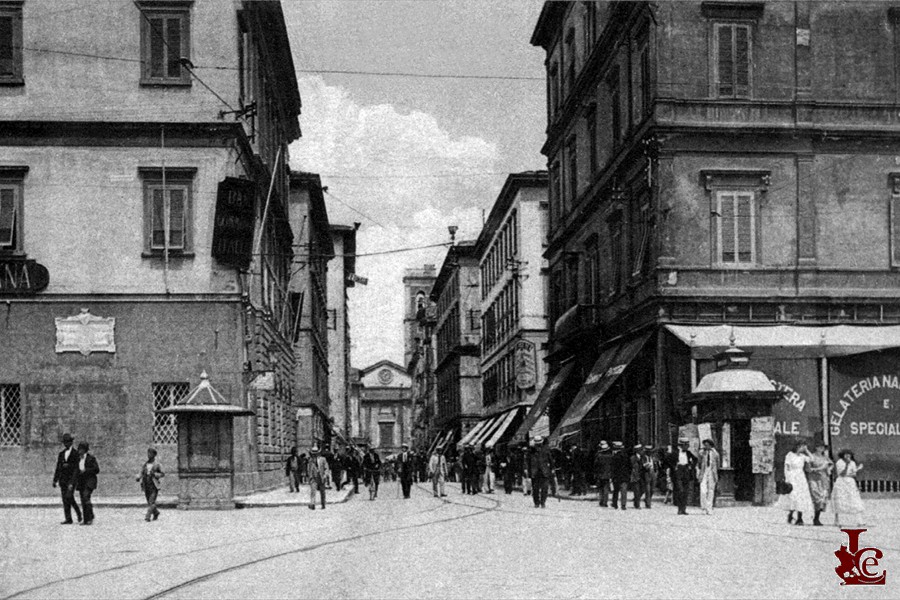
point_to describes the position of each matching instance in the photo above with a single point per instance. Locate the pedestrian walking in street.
(86, 480)
(64, 475)
(316, 472)
(845, 499)
(437, 471)
(636, 481)
(667, 473)
(818, 472)
(603, 472)
(406, 465)
(470, 470)
(304, 462)
(709, 475)
(578, 471)
(527, 451)
(354, 465)
(621, 474)
(540, 470)
(328, 455)
(489, 471)
(371, 467)
(682, 464)
(149, 478)
(799, 499)
(651, 469)
(292, 470)
(507, 471)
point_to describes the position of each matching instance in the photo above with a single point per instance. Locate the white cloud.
(408, 174)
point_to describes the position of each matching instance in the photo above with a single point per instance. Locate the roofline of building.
(545, 29)
(462, 249)
(514, 183)
(318, 214)
(381, 363)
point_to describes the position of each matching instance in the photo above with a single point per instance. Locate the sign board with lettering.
(526, 365)
(235, 220)
(864, 410)
(85, 333)
(22, 276)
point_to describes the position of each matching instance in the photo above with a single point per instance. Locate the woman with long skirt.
(845, 498)
(799, 500)
(818, 472)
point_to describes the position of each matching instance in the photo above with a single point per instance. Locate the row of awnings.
(489, 432)
(442, 440)
(704, 341)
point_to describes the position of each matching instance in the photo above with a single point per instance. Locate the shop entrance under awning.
(612, 362)
(493, 430)
(548, 392)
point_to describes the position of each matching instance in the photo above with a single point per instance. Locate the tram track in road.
(312, 547)
(186, 554)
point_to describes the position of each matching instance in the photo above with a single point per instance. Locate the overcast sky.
(414, 154)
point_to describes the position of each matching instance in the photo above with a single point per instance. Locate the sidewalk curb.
(240, 502)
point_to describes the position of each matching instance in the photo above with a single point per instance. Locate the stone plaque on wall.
(85, 333)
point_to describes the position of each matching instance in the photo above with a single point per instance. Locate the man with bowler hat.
(66, 469)
(405, 463)
(86, 480)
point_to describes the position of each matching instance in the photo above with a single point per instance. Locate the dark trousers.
(338, 479)
(355, 479)
(473, 483)
(464, 480)
(406, 484)
(509, 480)
(621, 488)
(681, 484)
(539, 486)
(637, 490)
(603, 491)
(68, 500)
(649, 484)
(294, 481)
(150, 494)
(578, 483)
(86, 505)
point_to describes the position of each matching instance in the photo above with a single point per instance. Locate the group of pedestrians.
(76, 470)
(807, 486)
(476, 468)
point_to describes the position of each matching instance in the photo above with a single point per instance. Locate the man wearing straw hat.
(316, 469)
(437, 470)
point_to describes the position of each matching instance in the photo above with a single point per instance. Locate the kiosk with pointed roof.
(205, 447)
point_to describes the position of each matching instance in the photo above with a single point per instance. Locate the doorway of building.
(742, 461)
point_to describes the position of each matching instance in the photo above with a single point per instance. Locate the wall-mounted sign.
(85, 333)
(21, 276)
(526, 365)
(233, 230)
(762, 444)
(263, 382)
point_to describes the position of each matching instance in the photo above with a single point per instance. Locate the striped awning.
(502, 428)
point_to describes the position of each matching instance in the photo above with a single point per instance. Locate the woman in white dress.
(799, 500)
(845, 498)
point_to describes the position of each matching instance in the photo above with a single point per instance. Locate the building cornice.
(127, 134)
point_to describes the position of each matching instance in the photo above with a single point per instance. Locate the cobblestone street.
(486, 546)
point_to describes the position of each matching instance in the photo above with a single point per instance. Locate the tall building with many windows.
(512, 273)
(144, 230)
(724, 174)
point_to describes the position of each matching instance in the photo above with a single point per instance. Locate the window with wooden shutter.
(11, 44)
(735, 217)
(733, 56)
(165, 40)
(8, 212)
(895, 220)
(168, 210)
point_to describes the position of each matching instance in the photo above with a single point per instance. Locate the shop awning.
(549, 390)
(800, 341)
(486, 431)
(502, 427)
(473, 433)
(612, 362)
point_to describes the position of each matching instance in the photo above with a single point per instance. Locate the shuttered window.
(733, 56)
(165, 40)
(8, 213)
(735, 217)
(167, 210)
(895, 220)
(11, 44)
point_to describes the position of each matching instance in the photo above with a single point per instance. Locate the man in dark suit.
(682, 465)
(469, 470)
(86, 480)
(541, 470)
(66, 469)
(621, 474)
(406, 464)
(603, 472)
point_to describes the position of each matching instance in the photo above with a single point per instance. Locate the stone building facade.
(385, 399)
(718, 171)
(144, 232)
(344, 411)
(420, 313)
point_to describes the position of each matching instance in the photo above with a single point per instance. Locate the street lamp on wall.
(452, 229)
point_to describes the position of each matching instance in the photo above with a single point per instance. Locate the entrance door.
(742, 461)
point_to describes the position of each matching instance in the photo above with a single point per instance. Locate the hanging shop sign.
(526, 365)
(232, 243)
(22, 276)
